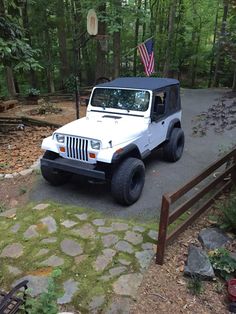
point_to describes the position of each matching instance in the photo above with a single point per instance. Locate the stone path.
(102, 260)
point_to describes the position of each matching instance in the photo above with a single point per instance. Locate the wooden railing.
(216, 186)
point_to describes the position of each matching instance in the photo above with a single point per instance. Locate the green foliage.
(70, 84)
(227, 218)
(14, 49)
(33, 92)
(46, 303)
(223, 263)
(195, 285)
(2, 207)
(23, 190)
(47, 108)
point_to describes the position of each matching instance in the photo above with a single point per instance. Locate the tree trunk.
(213, 46)
(2, 8)
(219, 56)
(61, 28)
(49, 70)
(116, 40)
(10, 81)
(234, 80)
(168, 54)
(101, 63)
(136, 39)
(32, 78)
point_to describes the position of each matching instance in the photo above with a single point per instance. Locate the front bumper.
(74, 166)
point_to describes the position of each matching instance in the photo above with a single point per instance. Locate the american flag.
(147, 55)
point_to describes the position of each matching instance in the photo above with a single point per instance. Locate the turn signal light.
(62, 149)
(92, 155)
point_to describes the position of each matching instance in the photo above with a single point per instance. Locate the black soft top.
(150, 83)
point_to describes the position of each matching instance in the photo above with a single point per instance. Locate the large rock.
(124, 246)
(144, 258)
(86, 231)
(198, 264)
(50, 224)
(213, 238)
(120, 305)
(133, 237)
(103, 260)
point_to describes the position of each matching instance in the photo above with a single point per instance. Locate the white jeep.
(126, 119)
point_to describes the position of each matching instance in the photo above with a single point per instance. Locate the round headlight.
(95, 144)
(60, 138)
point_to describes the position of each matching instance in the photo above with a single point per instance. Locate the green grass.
(89, 280)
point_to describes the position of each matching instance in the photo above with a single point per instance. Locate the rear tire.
(54, 176)
(128, 181)
(173, 149)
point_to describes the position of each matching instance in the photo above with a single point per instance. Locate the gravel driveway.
(161, 177)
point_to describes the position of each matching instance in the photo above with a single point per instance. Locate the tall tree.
(220, 55)
(168, 54)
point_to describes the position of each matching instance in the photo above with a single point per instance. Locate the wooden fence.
(216, 186)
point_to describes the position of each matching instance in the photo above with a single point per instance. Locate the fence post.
(163, 226)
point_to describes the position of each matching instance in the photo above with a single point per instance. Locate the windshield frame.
(120, 110)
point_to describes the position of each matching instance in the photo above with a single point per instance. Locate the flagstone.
(15, 228)
(50, 223)
(109, 240)
(124, 262)
(53, 261)
(82, 216)
(41, 206)
(133, 237)
(119, 226)
(96, 302)
(102, 261)
(71, 247)
(14, 270)
(68, 223)
(70, 288)
(86, 231)
(98, 222)
(139, 228)
(36, 284)
(128, 284)
(8, 213)
(144, 258)
(116, 271)
(147, 246)
(31, 232)
(42, 252)
(124, 246)
(153, 234)
(49, 240)
(105, 229)
(14, 250)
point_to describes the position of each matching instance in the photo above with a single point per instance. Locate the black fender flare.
(130, 150)
(175, 123)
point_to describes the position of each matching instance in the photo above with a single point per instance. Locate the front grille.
(77, 148)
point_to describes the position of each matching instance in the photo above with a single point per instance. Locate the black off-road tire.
(128, 181)
(173, 149)
(54, 176)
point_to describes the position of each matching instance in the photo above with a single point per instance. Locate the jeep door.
(157, 129)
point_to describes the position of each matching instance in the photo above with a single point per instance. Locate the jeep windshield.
(125, 99)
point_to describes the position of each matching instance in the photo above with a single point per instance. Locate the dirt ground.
(165, 288)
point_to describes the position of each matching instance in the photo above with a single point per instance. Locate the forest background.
(44, 44)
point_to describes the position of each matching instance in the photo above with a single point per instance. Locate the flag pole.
(136, 47)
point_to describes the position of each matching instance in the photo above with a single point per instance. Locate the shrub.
(46, 303)
(195, 285)
(227, 219)
(223, 263)
(33, 92)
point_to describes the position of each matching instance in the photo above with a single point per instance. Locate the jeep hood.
(118, 130)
